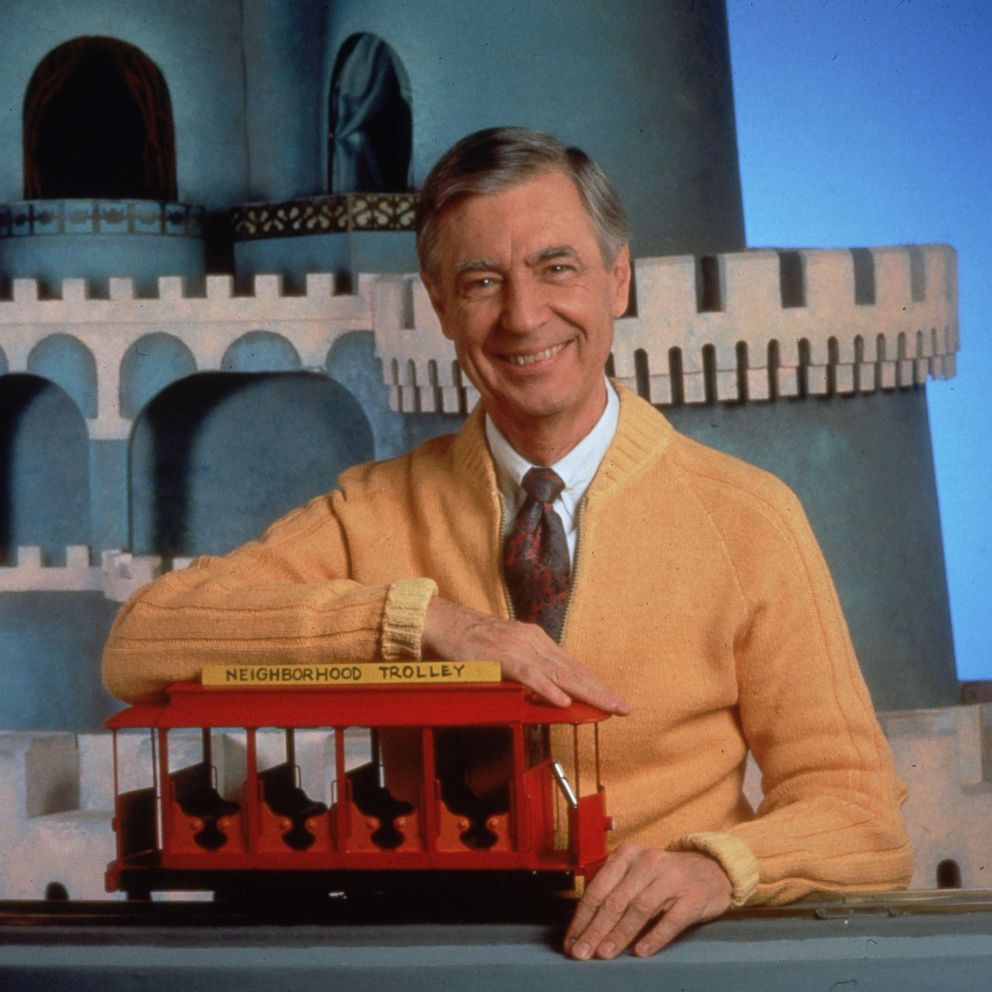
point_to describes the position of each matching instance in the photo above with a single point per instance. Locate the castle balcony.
(94, 239)
(345, 233)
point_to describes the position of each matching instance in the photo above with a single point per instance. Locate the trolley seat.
(194, 792)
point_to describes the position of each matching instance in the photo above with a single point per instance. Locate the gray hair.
(499, 157)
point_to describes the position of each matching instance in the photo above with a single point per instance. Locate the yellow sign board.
(351, 673)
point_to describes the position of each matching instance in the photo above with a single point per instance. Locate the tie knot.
(542, 484)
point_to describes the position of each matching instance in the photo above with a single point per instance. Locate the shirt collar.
(576, 469)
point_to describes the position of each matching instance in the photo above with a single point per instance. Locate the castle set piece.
(209, 307)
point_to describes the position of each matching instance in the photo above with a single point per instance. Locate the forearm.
(850, 840)
(846, 841)
(185, 621)
(284, 598)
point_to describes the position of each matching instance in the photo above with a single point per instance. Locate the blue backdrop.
(868, 123)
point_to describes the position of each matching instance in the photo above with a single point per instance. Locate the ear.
(436, 295)
(620, 277)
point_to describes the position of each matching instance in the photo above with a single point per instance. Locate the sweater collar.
(642, 435)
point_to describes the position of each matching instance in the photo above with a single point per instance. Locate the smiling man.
(568, 532)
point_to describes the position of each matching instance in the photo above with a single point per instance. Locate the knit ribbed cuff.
(404, 616)
(733, 856)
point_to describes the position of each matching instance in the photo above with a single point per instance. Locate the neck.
(546, 440)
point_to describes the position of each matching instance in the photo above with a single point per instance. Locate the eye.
(477, 286)
(559, 270)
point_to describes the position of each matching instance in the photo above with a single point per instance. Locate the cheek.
(473, 329)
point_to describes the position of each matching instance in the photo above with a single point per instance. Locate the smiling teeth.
(539, 357)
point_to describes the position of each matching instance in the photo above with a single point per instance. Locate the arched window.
(371, 121)
(98, 123)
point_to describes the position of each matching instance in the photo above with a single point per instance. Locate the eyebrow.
(544, 255)
(476, 265)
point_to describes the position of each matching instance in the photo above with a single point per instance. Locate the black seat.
(285, 798)
(376, 800)
(459, 750)
(196, 796)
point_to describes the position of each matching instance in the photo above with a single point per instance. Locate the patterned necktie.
(535, 557)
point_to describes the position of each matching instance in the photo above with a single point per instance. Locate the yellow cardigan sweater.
(699, 594)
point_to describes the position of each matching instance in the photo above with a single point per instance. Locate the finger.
(607, 878)
(534, 678)
(582, 684)
(653, 899)
(602, 905)
(682, 914)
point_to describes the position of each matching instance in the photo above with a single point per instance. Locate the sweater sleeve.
(286, 597)
(830, 818)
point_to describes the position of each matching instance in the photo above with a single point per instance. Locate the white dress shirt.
(576, 469)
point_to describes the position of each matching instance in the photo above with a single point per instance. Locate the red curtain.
(139, 76)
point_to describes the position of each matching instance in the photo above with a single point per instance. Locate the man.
(652, 569)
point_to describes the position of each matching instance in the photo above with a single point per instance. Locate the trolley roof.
(188, 704)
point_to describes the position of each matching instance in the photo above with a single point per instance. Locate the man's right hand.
(525, 652)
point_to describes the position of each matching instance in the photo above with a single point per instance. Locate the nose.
(524, 305)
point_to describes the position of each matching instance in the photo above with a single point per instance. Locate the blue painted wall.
(642, 86)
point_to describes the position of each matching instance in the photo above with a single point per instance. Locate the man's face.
(523, 292)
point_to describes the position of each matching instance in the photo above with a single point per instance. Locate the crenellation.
(123, 573)
(75, 290)
(24, 291)
(760, 346)
(321, 286)
(29, 556)
(31, 573)
(220, 287)
(120, 288)
(268, 287)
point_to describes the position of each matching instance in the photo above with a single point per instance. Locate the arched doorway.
(371, 120)
(217, 457)
(44, 469)
(98, 123)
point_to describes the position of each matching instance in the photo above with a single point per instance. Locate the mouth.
(534, 357)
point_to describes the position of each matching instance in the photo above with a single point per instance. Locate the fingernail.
(582, 950)
(606, 950)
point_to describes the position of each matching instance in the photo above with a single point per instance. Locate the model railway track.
(551, 910)
(116, 913)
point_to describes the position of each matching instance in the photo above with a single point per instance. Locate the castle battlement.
(31, 573)
(119, 574)
(740, 326)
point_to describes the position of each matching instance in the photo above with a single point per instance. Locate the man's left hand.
(635, 886)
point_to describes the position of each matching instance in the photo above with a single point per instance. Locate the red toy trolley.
(445, 779)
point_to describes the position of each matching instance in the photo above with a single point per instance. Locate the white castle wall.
(207, 325)
(832, 342)
(118, 575)
(56, 792)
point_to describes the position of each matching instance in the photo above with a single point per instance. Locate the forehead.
(527, 217)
